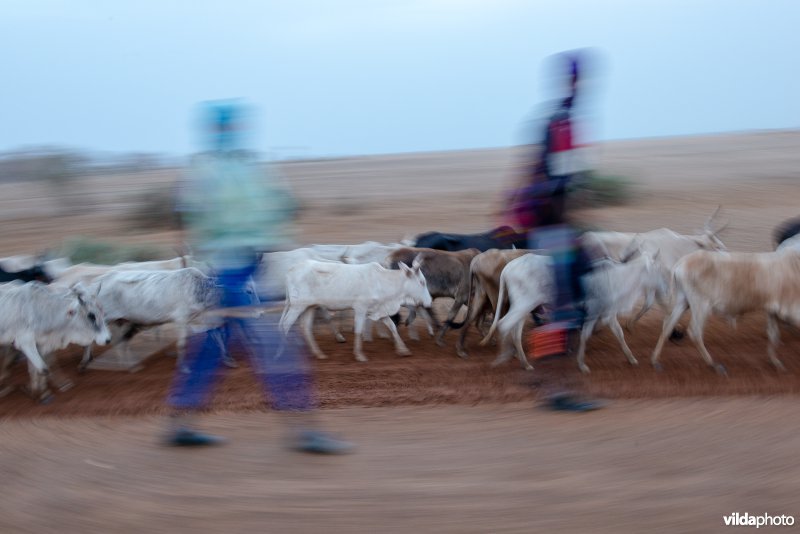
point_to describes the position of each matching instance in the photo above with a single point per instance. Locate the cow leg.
(616, 328)
(31, 352)
(383, 333)
(586, 333)
(699, 314)
(430, 318)
(5, 366)
(473, 315)
(368, 330)
(774, 339)
(399, 346)
(506, 349)
(307, 321)
(358, 321)
(430, 321)
(518, 345)
(289, 317)
(412, 329)
(669, 323)
(37, 368)
(504, 354)
(57, 379)
(86, 360)
(326, 316)
(37, 387)
(451, 315)
(676, 334)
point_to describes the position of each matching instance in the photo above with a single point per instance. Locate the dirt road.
(638, 466)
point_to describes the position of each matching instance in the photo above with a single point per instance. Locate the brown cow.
(447, 274)
(732, 284)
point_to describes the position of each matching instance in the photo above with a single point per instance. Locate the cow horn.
(722, 228)
(632, 249)
(418, 259)
(707, 226)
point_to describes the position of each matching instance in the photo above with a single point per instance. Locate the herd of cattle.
(48, 305)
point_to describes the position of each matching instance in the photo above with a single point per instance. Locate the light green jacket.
(232, 207)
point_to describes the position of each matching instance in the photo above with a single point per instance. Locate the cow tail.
(500, 297)
(454, 325)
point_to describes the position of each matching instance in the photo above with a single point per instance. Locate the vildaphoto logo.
(764, 520)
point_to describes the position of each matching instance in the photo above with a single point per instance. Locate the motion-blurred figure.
(541, 207)
(231, 210)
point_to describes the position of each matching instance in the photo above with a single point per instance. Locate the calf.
(141, 299)
(370, 290)
(447, 274)
(38, 319)
(732, 284)
(613, 289)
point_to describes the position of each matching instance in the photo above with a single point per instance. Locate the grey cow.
(141, 299)
(447, 274)
(38, 319)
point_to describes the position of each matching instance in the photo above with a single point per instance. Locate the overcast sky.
(341, 77)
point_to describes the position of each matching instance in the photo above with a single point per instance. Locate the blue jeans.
(286, 380)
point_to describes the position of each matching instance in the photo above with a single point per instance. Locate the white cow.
(615, 289)
(271, 280)
(275, 265)
(732, 284)
(671, 245)
(370, 252)
(85, 273)
(143, 299)
(611, 289)
(528, 281)
(668, 246)
(37, 319)
(370, 290)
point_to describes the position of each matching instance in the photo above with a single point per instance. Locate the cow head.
(710, 238)
(633, 250)
(415, 285)
(87, 310)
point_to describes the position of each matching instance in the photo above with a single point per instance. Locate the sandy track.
(436, 375)
(654, 466)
